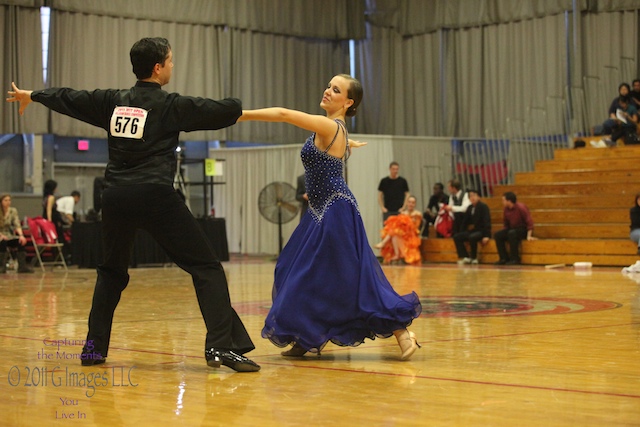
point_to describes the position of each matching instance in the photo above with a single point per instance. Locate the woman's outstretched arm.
(321, 125)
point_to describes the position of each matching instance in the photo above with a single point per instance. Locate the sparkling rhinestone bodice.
(324, 180)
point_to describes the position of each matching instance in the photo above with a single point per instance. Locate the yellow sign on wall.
(210, 167)
(213, 168)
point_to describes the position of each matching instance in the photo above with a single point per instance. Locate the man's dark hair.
(634, 82)
(439, 186)
(75, 193)
(394, 163)
(624, 98)
(455, 183)
(473, 190)
(510, 196)
(146, 53)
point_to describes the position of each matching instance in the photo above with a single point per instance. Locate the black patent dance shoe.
(228, 358)
(296, 351)
(92, 361)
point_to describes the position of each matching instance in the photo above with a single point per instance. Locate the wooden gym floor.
(504, 346)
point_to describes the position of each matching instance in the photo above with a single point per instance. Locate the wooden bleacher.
(580, 205)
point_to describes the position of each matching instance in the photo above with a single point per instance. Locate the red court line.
(552, 331)
(421, 340)
(459, 380)
(427, 377)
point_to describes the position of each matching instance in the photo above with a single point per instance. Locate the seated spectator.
(625, 123)
(437, 199)
(608, 126)
(66, 206)
(458, 203)
(518, 225)
(11, 236)
(401, 236)
(623, 90)
(476, 227)
(605, 128)
(634, 214)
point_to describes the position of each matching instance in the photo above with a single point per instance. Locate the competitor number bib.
(128, 122)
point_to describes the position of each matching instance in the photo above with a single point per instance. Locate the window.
(45, 16)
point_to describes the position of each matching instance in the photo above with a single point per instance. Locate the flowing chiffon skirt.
(329, 286)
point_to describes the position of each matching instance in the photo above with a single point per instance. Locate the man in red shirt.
(518, 225)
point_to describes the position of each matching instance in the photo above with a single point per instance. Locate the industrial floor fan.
(277, 204)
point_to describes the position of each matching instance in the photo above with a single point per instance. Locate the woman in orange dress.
(401, 236)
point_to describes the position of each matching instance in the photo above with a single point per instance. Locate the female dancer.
(328, 284)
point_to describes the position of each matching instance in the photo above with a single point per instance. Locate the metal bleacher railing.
(484, 163)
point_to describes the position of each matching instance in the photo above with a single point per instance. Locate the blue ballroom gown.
(328, 284)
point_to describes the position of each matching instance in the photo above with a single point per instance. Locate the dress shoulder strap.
(341, 126)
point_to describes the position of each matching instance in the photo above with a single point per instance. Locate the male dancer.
(143, 124)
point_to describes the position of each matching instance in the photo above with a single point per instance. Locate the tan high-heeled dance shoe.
(408, 344)
(295, 351)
